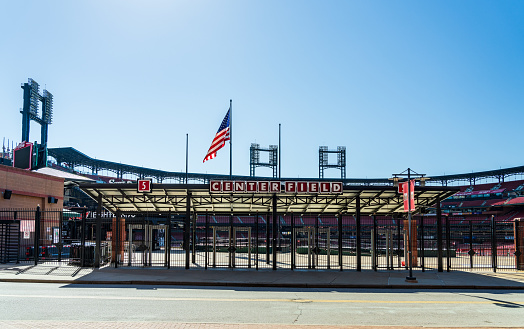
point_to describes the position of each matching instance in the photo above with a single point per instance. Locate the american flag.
(220, 138)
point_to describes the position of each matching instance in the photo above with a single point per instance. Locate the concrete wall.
(30, 189)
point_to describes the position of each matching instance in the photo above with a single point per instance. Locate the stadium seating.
(514, 201)
(450, 205)
(519, 214)
(330, 221)
(480, 187)
(493, 202)
(505, 206)
(506, 217)
(309, 220)
(474, 203)
(511, 186)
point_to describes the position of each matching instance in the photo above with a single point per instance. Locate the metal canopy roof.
(374, 200)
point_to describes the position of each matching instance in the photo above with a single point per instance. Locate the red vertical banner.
(404, 190)
(411, 196)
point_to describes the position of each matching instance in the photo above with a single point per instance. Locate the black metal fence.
(480, 244)
(260, 241)
(33, 236)
(330, 242)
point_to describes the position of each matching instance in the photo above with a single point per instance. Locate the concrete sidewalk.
(48, 273)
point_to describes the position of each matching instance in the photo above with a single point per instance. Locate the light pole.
(409, 174)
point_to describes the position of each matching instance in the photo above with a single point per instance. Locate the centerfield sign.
(216, 186)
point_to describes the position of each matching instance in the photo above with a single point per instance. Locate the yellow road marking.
(278, 300)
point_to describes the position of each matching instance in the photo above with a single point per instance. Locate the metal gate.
(313, 247)
(144, 242)
(10, 241)
(479, 243)
(383, 243)
(238, 242)
(220, 246)
(231, 249)
(146, 245)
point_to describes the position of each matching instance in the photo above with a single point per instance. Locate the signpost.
(408, 191)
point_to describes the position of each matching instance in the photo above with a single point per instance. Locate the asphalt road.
(361, 307)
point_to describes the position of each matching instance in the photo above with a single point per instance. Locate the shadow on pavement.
(302, 280)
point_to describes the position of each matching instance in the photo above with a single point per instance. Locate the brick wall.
(30, 189)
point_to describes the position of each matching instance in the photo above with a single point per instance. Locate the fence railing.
(251, 242)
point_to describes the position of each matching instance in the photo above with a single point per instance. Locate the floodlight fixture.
(273, 157)
(341, 156)
(323, 156)
(34, 98)
(7, 194)
(395, 180)
(255, 153)
(423, 180)
(47, 110)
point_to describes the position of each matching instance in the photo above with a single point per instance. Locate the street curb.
(267, 285)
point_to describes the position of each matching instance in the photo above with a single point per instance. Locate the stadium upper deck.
(503, 199)
(72, 159)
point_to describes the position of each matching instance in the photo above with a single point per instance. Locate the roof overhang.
(62, 174)
(372, 200)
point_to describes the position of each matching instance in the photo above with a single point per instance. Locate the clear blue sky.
(437, 86)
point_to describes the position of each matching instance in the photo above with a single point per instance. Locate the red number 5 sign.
(144, 185)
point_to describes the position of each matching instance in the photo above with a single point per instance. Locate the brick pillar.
(413, 244)
(122, 234)
(518, 231)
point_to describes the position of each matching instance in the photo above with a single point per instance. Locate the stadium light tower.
(409, 174)
(32, 99)
(254, 158)
(323, 163)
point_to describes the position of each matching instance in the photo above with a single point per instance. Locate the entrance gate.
(316, 244)
(146, 245)
(9, 241)
(238, 247)
(382, 247)
(480, 243)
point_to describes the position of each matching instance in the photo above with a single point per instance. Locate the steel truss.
(379, 200)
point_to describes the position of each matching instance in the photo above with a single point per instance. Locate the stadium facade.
(362, 226)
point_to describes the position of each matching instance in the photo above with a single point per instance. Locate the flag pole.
(187, 143)
(279, 153)
(230, 139)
